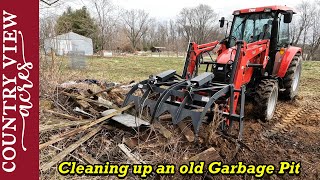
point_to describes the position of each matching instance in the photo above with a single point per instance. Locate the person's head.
(266, 27)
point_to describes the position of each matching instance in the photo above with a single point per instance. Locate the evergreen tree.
(78, 21)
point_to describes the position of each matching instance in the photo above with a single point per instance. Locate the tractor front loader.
(255, 60)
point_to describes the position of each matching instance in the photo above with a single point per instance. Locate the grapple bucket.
(168, 92)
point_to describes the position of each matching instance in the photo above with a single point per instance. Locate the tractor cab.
(256, 24)
(251, 27)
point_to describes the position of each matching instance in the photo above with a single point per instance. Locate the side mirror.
(288, 17)
(222, 22)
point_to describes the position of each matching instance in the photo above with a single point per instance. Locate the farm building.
(157, 49)
(65, 43)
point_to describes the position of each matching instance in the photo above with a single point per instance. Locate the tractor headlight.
(282, 50)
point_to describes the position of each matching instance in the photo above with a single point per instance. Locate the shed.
(65, 43)
(157, 49)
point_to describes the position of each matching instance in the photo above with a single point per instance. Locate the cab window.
(257, 26)
(283, 37)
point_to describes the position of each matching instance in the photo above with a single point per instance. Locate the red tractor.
(255, 61)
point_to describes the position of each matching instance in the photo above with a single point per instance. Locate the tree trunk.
(298, 37)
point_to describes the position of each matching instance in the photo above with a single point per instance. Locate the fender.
(286, 60)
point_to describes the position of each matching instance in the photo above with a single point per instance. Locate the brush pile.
(86, 123)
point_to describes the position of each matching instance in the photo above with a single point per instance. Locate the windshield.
(251, 27)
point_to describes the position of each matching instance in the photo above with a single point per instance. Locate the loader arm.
(192, 58)
(248, 57)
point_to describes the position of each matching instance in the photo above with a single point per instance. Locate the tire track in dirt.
(289, 115)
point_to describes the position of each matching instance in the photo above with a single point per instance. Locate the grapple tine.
(176, 119)
(132, 90)
(143, 98)
(212, 99)
(164, 96)
(184, 104)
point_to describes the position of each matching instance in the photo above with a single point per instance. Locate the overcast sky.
(166, 9)
(170, 8)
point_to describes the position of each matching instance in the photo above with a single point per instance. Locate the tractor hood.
(227, 55)
(252, 50)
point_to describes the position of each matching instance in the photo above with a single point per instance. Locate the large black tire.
(265, 98)
(291, 79)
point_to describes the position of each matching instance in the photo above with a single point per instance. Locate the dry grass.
(310, 78)
(126, 69)
(122, 69)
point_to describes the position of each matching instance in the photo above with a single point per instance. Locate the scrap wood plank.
(69, 149)
(50, 127)
(134, 158)
(208, 155)
(83, 104)
(165, 132)
(187, 132)
(94, 94)
(109, 104)
(86, 105)
(165, 117)
(87, 157)
(84, 127)
(62, 115)
(102, 91)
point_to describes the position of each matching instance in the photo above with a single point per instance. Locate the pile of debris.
(85, 122)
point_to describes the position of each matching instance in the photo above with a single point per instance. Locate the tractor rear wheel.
(266, 98)
(291, 79)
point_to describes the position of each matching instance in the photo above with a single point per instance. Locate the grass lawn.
(123, 69)
(126, 69)
(310, 78)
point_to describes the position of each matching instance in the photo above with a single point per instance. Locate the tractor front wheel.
(266, 97)
(291, 79)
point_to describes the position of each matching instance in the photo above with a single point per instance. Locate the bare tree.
(46, 29)
(173, 36)
(306, 29)
(107, 18)
(159, 35)
(314, 32)
(306, 11)
(294, 29)
(136, 24)
(198, 23)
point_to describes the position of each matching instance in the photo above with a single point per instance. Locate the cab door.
(282, 43)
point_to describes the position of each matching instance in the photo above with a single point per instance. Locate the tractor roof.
(262, 9)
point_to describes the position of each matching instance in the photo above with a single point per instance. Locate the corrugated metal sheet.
(71, 41)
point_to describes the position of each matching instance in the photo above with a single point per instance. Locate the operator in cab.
(265, 34)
